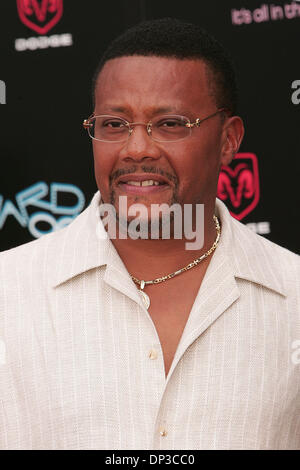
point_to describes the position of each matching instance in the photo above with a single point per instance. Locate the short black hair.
(171, 37)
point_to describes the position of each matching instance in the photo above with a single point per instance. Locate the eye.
(170, 123)
(114, 124)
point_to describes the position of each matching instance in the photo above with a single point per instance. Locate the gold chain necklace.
(158, 280)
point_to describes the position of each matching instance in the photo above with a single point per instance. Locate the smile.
(144, 183)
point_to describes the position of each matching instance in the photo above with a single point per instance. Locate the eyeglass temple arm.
(199, 121)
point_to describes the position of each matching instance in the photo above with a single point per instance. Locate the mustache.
(171, 177)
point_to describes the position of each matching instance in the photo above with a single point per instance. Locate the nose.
(139, 145)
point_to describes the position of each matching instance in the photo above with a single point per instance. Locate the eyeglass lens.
(162, 128)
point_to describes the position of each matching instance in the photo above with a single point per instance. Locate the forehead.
(143, 82)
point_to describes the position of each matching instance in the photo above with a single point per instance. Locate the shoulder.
(267, 257)
(38, 264)
(260, 242)
(52, 243)
(31, 257)
(257, 259)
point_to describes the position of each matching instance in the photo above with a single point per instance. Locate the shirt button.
(163, 432)
(152, 354)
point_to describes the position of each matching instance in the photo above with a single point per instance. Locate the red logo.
(238, 185)
(41, 16)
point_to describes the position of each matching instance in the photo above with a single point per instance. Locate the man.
(96, 355)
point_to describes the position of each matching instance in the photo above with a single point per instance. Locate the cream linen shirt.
(81, 365)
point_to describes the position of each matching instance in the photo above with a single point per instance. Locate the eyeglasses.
(166, 128)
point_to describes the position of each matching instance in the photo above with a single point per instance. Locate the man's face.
(137, 89)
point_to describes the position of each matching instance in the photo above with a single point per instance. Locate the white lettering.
(138, 227)
(198, 234)
(2, 92)
(165, 223)
(262, 228)
(44, 42)
(116, 460)
(296, 94)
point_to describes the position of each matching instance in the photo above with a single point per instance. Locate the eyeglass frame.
(86, 124)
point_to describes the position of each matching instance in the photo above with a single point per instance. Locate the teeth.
(143, 183)
(134, 183)
(148, 183)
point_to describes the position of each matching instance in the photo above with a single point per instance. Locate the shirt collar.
(84, 245)
(250, 256)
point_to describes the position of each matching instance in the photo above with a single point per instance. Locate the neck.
(148, 259)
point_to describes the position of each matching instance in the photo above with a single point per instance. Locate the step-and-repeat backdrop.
(49, 51)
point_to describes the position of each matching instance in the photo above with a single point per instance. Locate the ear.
(233, 133)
